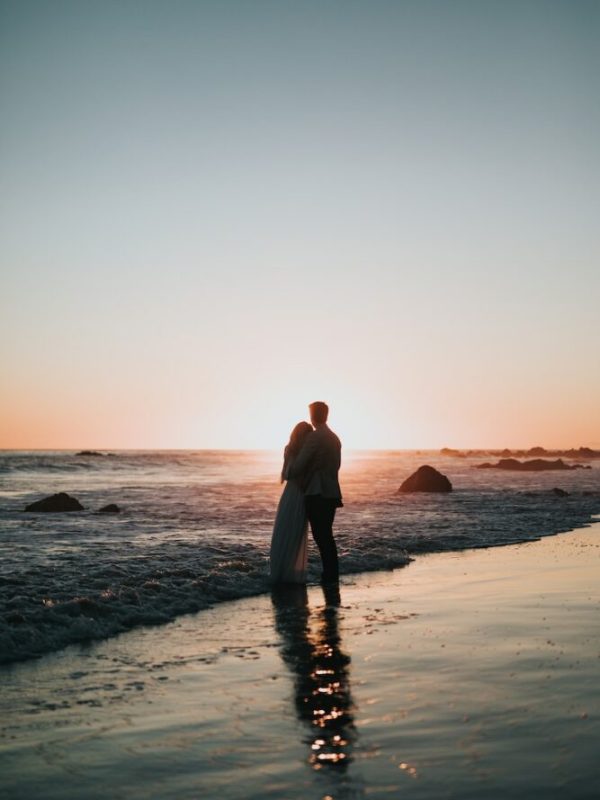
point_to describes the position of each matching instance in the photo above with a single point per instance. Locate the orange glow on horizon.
(260, 420)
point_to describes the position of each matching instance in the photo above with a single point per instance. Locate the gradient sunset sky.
(215, 212)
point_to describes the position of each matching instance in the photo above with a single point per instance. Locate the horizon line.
(104, 450)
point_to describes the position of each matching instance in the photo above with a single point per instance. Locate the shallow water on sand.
(470, 675)
(195, 530)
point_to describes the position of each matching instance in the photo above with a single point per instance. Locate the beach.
(465, 674)
(300, 291)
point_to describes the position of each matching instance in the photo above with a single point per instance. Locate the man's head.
(318, 413)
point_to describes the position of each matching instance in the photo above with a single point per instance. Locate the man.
(317, 467)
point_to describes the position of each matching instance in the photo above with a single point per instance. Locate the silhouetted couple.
(311, 462)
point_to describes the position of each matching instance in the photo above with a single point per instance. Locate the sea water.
(195, 529)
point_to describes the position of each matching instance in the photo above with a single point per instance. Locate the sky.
(213, 213)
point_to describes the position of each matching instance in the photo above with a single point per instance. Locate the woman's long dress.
(289, 544)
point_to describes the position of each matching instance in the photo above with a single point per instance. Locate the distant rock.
(426, 479)
(560, 492)
(111, 508)
(450, 451)
(535, 465)
(580, 453)
(55, 503)
(586, 452)
(89, 453)
(537, 451)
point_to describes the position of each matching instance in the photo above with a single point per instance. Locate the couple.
(312, 493)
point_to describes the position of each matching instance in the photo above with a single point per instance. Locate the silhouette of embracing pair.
(311, 464)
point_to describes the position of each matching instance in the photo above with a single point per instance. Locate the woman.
(289, 544)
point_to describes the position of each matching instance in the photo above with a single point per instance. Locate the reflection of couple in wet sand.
(320, 671)
(312, 494)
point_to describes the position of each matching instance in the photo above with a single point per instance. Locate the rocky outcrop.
(535, 465)
(584, 452)
(559, 492)
(111, 508)
(426, 479)
(581, 453)
(89, 453)
(537, 451)
(450, 451)
(56, 503)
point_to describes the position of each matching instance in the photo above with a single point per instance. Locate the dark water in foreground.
(195, 530)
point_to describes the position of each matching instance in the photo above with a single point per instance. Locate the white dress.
(289, 544)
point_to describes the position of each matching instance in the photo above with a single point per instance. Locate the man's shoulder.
(327, 435)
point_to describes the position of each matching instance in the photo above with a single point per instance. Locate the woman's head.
(297, 437)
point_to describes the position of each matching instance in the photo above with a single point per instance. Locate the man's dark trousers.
(321, 512)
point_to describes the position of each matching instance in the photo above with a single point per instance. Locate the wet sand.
(471, 675)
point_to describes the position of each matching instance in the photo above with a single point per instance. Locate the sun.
(265, 418)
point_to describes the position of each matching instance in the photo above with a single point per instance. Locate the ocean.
(195, 527)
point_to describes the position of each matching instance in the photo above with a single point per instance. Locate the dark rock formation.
(56, 502)
(449, 451)
(579, 453)
(426, 479)
(586, 452)
(89, 453)
(111, 508)
(560, 492)
(535, 465)
(537, 451)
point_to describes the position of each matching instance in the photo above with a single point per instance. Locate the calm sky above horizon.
(213, 213)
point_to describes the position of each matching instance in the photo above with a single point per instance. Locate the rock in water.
(535, 465)
(111, 508)
(560, 492)
(426, 479)
(56, 502)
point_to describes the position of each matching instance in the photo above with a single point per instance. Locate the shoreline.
(195, 531)
(263, 587)
(471, 673)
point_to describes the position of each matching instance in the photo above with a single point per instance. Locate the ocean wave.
(182, 544)
(52, 464)
(46, 609)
